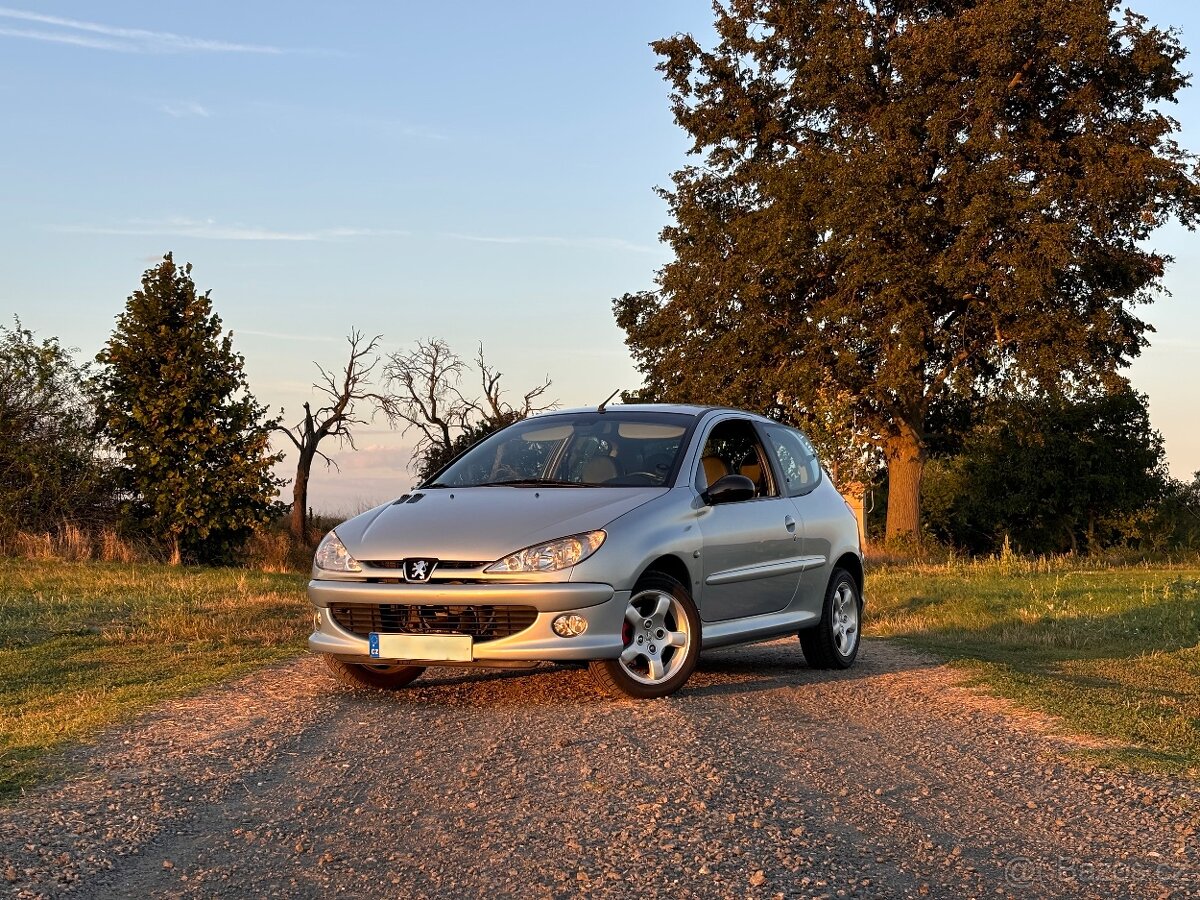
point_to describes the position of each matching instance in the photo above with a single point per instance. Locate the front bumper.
(603, 608)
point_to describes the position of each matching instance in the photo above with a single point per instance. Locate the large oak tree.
(904, 204)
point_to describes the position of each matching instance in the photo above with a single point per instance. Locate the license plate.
(435, 647)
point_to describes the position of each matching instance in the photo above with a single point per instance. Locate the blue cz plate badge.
(424, 647)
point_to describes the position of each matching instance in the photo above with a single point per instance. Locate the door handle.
(790, 524)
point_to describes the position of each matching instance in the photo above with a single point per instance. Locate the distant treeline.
(158, 449)
(1056, 475)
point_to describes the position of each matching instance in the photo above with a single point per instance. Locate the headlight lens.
(332, 555)
(551, 556)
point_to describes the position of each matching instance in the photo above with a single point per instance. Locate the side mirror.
(729, 489)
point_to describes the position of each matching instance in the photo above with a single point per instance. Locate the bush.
(1053, 475)
(51, 470)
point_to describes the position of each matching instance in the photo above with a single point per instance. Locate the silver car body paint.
(756, 569)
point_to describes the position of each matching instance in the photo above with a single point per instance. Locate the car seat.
(598, 470)
(714, 469)
(752, 468)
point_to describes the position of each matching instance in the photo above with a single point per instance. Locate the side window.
(797, 459)
(733, 448)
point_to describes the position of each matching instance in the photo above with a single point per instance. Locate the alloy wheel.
(845, 619)
(657, 636)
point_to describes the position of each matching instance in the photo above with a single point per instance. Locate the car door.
(801, 474)
(750, 547)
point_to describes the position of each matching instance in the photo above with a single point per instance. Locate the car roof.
(687, 409)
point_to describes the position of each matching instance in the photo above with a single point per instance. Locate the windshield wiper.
(535, 482)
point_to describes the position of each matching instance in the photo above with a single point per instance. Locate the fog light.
(569, 626)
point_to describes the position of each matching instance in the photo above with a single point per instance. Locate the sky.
(478, 172)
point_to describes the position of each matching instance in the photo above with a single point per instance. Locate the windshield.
(610, 449)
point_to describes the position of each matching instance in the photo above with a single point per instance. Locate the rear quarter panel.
(830, 531)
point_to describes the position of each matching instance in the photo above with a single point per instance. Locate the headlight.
(332, 555)
(551, 556)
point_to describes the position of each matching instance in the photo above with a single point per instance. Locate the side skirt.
(754, 628)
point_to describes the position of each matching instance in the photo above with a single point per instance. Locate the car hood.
(484, 523)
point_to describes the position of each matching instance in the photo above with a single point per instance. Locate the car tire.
(384, 677)
(661, 633)
(834, 642)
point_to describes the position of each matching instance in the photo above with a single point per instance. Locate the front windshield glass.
(610, 449)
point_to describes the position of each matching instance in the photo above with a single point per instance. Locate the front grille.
(486, 622)
(456, 564)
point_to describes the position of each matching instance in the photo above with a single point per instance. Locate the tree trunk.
(855, 494)
(299, 521)
(906, 460)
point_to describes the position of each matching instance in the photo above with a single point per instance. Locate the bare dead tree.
(498, 409)
(426, 394)
(346, 392)
(423, 385)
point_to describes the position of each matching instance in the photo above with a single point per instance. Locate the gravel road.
(762, 778)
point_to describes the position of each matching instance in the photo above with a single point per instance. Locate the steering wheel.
(638, 479)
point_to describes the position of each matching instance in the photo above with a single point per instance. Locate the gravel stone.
(762, 778)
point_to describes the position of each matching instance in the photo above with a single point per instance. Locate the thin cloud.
(125, 40)
(388, 126)
(381, 458)
(549, 241)
(185, 110)
(417, 131)
(75, 40)
(335, 233)
(214, 231)
(1185, 344)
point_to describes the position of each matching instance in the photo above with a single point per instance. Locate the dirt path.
(763, 778)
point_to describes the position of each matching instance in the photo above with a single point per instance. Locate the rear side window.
(797, 459)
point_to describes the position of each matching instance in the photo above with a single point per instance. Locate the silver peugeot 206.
(628, 537)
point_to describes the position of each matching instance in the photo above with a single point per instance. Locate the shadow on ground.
(756, 668)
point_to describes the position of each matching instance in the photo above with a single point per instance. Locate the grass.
(85, 644)
(1114, 652)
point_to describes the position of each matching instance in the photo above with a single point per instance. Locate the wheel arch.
(852, 564)
(670, 564)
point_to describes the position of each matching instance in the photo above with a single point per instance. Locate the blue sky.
(477, 171)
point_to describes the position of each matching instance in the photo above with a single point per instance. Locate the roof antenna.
(600, 408)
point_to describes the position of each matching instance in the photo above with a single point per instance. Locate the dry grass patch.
(84, 644)
(1112, 651)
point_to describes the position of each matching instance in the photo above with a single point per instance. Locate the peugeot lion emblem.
(418, 569)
